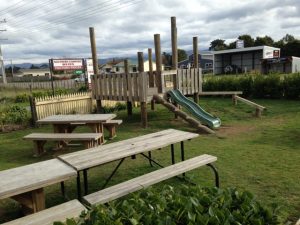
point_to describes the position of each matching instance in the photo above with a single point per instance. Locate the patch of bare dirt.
(11, 127)
(234, 130)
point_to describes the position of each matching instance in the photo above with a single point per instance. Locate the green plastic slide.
(194, 109)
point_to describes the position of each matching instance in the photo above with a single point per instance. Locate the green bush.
(22, 98)
(42, 94)
(259, 86)
(291, 87)
(182, 206)
(14, 115)
(112, 109)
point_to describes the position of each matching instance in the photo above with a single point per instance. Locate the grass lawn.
(261, 155)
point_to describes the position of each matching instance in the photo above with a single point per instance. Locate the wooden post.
(144, 118)
(196, 65)
(158, 62)
(174, 53)
(95, 63)
(129, 104)
(151, 78)
(33, 111)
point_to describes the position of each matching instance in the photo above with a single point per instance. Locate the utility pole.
(12, 68)
(1, 58)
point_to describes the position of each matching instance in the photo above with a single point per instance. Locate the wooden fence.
(77, 103)
(120, 87)
(67, 84)
(134, 87)
(189, 81)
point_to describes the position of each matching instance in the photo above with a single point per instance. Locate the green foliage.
(21, 98)
(183, 205)
(181, 54)
(39, 94)
(291, 87)
(14, 114)
(260, 86)
(113, 109)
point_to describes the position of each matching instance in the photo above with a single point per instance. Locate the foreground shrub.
(291, 87)
(14, 115)
(21, 98)
(181, 206)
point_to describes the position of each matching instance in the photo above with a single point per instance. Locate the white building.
(242, 60)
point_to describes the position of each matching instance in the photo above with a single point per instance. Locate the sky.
(39, 30)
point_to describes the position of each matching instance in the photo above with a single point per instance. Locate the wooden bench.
(111, 127)
(258, 108)
(61, 212)
(88, 139)
(146, 180)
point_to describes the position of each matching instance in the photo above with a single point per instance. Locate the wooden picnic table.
(26, 183)
(86, 159)
(67, 123)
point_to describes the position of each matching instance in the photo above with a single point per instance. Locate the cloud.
(39, 30)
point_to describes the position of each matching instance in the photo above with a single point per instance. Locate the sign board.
(271, 53)
(239, 44)
(276, 54)
(67, 64)
(89, 69)
(78, 72)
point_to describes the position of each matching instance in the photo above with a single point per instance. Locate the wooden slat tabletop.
(49, 216)
(111, 152)
(78, 118)
(63, 136)
(31, 177)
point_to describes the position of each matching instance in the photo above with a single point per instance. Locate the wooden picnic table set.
(25, 184)
(64, 125)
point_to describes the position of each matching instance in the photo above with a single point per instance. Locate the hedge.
(184, 205)
(259, 86)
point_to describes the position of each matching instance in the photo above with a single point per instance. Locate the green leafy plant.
(190, 205)
(21, 98)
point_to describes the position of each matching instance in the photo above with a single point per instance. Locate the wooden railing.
(77, 103)
(189, 81)
(120, 87)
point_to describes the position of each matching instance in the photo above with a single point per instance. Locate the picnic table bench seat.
(61, 212)
(111, 125)
(146, 180)
(88, 139)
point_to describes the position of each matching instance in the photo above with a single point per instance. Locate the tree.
(217, 45)
(34, 67)
(166, 59)
(248, 40)
(288, 38)
(266, 40)
(181, 54)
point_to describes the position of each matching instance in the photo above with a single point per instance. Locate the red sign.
(276, 53)
(67, 64)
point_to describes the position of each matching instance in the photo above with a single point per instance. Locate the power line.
(83, 12)
(40, 15)
(70, 20)
(7, 8)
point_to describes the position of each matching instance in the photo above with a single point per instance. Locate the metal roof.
(248, 49)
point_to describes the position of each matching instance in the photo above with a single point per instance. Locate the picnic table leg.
(113, 173)
(32, 201)
(78, 186)
(172, 154)
(39, 148)
(182, 152)
(85, 181)
(62, 188)
(216, 174)
(61, 128)
(98, 128)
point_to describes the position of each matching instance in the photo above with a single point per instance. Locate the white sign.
(89, 69)
(268, 54)
(67, 64)
(239, 44)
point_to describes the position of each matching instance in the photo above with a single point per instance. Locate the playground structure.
(153, 86)
(141, 86)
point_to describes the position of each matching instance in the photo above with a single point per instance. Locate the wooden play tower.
(141, 86)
